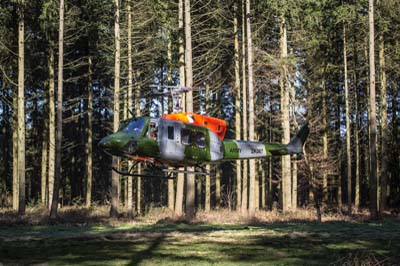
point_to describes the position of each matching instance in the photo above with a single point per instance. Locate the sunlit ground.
(165, 243)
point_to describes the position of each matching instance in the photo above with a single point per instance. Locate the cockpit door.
(170, 144)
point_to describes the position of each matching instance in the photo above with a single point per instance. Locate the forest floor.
(156, 239)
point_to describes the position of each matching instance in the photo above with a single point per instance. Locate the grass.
(174, 242)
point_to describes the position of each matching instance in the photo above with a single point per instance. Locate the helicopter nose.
(105, 143)
(115, 143)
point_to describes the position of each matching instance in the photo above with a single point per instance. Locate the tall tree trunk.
(263, 184)
(89, 136)
(357, 142)
(139, 167)
(4, 144)
(217, 188)
(296, 127)
(368, 113)
(324, 143)
(237, 105)
(52, 127)
(207, 203)
(372, 119)
(198, 203)
(252, 163)
(294, 184)
(348, 128)
(171, 189)
(180, 181)
(356, 132)
(15, 186)
(115, 176)
(190, 178)
(270, 139)
(384, 127)
(21, 111)
(130, 103)
(45, 148)
(244, 112)
(339, 149)
(58, 170)
(286, 172)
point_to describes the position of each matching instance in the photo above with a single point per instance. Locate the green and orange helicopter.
(182, 139)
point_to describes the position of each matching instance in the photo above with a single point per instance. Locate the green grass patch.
(200, 244)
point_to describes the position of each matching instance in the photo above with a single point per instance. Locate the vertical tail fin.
(296, 143)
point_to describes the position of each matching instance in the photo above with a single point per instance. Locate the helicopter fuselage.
(176, 143)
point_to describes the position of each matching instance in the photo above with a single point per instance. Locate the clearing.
(166, 243)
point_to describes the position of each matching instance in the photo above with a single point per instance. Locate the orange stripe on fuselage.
(218, 126)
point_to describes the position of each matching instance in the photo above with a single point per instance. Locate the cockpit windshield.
(135, 126)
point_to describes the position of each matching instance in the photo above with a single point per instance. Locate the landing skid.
(143, 175)
(171, 173)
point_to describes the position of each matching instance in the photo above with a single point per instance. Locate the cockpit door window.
(171, 132)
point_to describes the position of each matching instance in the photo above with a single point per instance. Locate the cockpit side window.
(200, 140)
(153, 130)
(186, 137)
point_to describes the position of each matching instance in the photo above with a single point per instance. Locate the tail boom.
(237, 149)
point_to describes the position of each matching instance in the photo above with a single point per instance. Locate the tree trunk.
(356, 133)
(180, 181)
(139, 168)
(21, 111)
(237, 105)
(286, 172)
(207, 205)
(58, 171)
(263, 184)
(198, 194)
(270, 139)
(294, 184)
(89, 136)
(372, 119)
(296, 127)
(43, 175)
(357, 141)
(348, 128)
(325, 144)
(15, 186)
(130, 103)
(52, 127)
(339, 149)
(171, 189)
(252, 163)
(384, 127)
(244, 113)
(190, 178)
(115, 161)
(217, 188)
(139, 191)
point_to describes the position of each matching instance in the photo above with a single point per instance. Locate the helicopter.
(181, 139)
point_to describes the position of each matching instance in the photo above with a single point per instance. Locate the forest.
(72, 71)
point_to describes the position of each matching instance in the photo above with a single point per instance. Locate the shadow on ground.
(203, 244)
